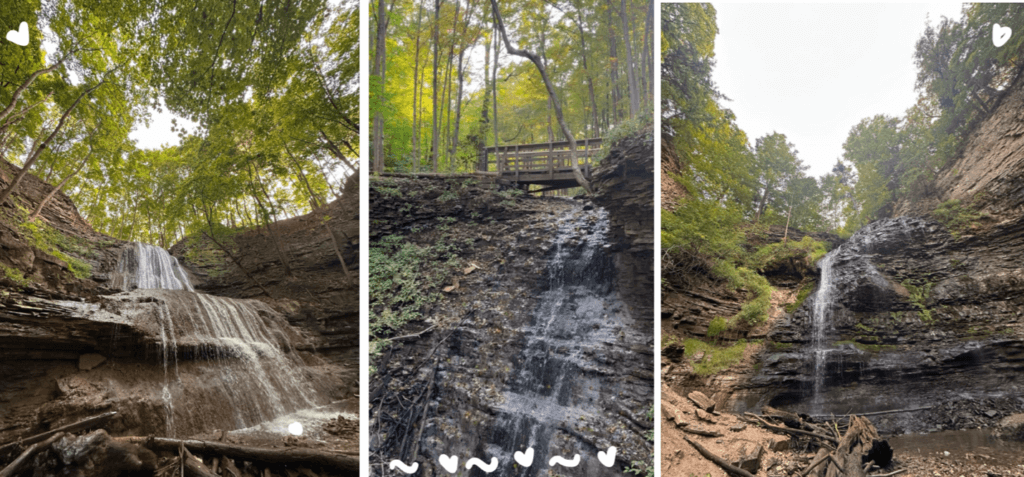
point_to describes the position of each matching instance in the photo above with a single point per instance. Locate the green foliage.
(405, 279)
(717, 327)
(958, 218)
(801, 296)
(918, 296)
(775, 346)
(716, 358)
(15, 276)
(769, 255)
(54, 242)
(756, 310)
(641, 468)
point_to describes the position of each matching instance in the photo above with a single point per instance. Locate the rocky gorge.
(541, 334)
(915, 319)
(176, 346)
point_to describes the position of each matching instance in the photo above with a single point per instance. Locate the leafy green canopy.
(272, 85)
(581, 42)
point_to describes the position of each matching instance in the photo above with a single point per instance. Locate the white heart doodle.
(19, 37)
(607, 458)
(524, 459)
(449, 462)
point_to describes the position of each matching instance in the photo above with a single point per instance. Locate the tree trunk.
(595, 130)
(238, 264)
(576, 171)
(437, 49)
(415, 87)
(337, 250)
(38, 151)
(494, 89)
(378, 71)
(634, 96)
(613, 88)
(42, 203)
(293, 455)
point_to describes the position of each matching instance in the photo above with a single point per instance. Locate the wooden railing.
(537, 163)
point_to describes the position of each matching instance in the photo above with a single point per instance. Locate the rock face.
(543, 344)
(989, 170)
(75, 346)
(918, 318)
(317, 296)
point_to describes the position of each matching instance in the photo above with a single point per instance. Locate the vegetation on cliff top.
(269, 89)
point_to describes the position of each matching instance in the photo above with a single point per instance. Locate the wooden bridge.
(546, 164)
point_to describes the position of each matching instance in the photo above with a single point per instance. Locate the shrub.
(716, 358)
(957, 217)
(717, 326)
(801, 296)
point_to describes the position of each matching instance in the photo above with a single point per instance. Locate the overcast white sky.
(813, 71)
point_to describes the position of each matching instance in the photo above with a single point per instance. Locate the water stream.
(578, 311)
(820, 320)
(241, 368)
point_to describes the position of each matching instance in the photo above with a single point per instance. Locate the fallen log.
(349, 465)
(815, 463)
(700, 432)
(876, 413)
(195, 467)
(890, 474)
(13, 468)
(84, 424)
(718, 460)
(795, 431)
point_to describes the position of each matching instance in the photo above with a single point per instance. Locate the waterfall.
(149, 267)
(576, 315)
(239, 352)
(820, 318)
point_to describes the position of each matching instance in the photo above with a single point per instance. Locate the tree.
(577, 172)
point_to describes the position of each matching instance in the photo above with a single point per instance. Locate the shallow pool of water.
(971, 444)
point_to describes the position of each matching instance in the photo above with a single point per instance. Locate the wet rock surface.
(74, 347)
(919, 318)
(540, 345)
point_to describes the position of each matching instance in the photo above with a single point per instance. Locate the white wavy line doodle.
(408, 469)
(562, 461)
(479, 463)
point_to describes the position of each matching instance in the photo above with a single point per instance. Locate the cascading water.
(552, 390)
(820, 319)
(147, 266)
(238, 351)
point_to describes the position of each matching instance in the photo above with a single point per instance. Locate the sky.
(813, 71)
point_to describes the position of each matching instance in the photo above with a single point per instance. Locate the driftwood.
(700, 432)
(718, 460)
(82, 425)
(856, 443)
(13, 468)
(890, 474)
(195, 467)
(793, 431)
(348, 465)
(877, 413)
(817, 460)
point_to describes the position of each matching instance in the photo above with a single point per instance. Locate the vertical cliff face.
(544, 336)
(990, 169)
(316, 296)
(924, 313)
(624, 186)
(90, 324)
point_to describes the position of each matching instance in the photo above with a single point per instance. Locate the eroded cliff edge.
(461, 363)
